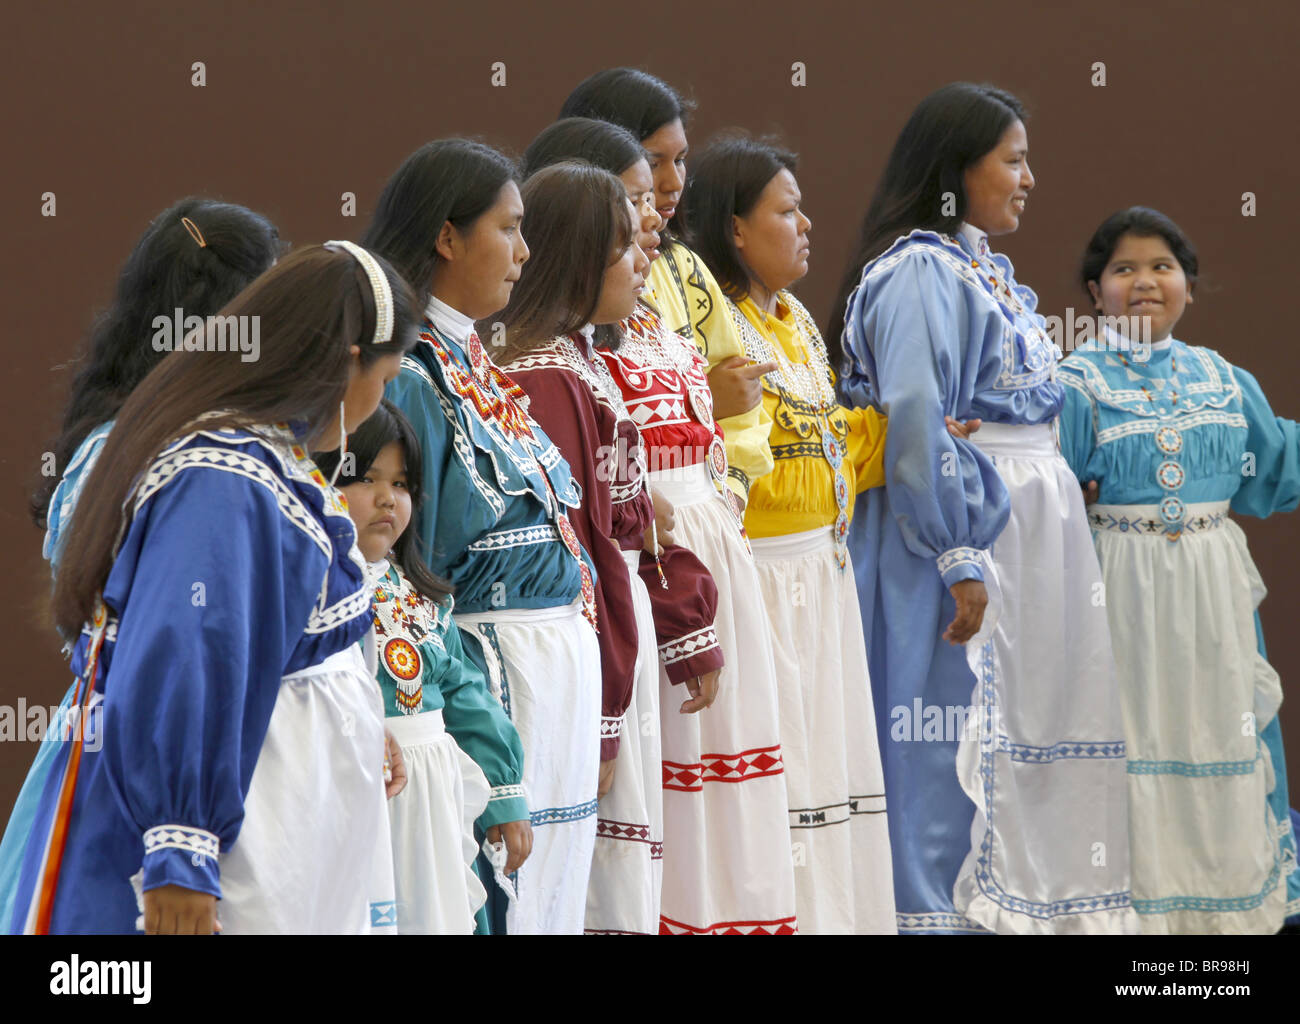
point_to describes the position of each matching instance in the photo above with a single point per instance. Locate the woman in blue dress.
(227, 743)
(196, 255)
(990, 658)
(1174, 437)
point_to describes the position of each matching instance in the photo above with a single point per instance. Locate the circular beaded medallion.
(841, 491)
(402, 659)
(841, 528)
(1173, 511)
(831, 449)
(1170, 475)
(701, 405)
(717, 459)
(1169, 440)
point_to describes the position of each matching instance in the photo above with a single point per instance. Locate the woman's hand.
(606, 778)
(394, 766)
(737, 386)
(962, 430)
(518, 837)
(971, 599)
(703, 690)
(665, 523)
(1090, 491)
(174, 910)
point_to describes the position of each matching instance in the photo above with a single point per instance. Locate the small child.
(1173, 437)
(436, 702)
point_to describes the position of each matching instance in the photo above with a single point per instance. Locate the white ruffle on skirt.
(1044, 760)
(843, 875)
(627, 867)
(433, 817)
(314, 854)
(544, 667)
(1196, 694)
(727, 859)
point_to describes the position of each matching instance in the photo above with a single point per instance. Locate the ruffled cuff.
(507, 803)
(181, 855)
(691, 655)
(611, 731)
(957, 564)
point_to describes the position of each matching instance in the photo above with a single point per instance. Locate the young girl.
(497, 522)
(228, 743)
(196, 255)
(743, 208)
(996, 814)
(562, 308)
(452, 730)
(1174, 436)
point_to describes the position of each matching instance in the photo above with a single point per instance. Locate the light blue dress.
(62, 504)
(1174, 440)
(928, 334)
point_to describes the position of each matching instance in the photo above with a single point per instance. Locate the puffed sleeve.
(567, 410)
(1273, 446)
(749, 455)
(220, 590)
(947, 496)
(1077, 428)
(481, 728)
(683, 613)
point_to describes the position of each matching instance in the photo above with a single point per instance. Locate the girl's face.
(380, 503)
(773, 237)
(641, 193)
(665, 149)
(623, 283)
(365, 389)
(1143, 279)
(481, 264)
(998, 184)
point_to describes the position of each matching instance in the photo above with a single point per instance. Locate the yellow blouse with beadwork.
(689, 301)
(799, 493)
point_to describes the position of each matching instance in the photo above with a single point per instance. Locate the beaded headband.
(378, 284)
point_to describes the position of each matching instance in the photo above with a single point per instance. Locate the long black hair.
(385, 426)
(950, 130)
(629, 97)
(167, 270)
(728, 179)
(603, 144)
(312, 307)
(635, 100)
(1143, 222)
(451, 181)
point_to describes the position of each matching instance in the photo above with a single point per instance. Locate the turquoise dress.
(62, 503)
(1176, 441)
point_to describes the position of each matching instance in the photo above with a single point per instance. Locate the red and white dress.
(573, 396)
(727, 861)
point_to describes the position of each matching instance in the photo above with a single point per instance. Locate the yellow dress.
(799, 397)
(688, 300)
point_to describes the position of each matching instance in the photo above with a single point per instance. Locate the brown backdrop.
(305, 102)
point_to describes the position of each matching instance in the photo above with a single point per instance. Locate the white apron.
(544, 667)
(1044, 762)
(1196, 695)
(843, 877)
(438, 892)
(627, 869)
(727, 860)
